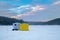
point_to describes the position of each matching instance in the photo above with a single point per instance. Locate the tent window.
(15, 24)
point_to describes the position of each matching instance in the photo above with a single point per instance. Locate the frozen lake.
(36, 32)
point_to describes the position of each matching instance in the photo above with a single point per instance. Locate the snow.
(36, 32)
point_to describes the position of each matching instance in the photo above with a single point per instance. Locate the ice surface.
(36, 32)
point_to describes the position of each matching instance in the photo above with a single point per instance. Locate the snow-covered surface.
(36, 32)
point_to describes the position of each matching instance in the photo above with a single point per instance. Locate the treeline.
(10, 21)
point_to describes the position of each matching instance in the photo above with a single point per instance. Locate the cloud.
(4, 6)
(52, 12)
(37, 8)
(56, 3)
(26, 10)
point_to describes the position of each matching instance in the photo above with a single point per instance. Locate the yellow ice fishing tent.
(24, 27)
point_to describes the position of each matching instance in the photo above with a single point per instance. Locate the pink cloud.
(32, 12)
(38, 8)
(56, 3)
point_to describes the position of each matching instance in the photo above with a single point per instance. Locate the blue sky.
(34, 10)
(17, 2)
(24, 2)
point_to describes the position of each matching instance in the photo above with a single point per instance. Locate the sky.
(30, 10)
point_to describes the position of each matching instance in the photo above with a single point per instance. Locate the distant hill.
(53, 22)
(8, 21)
